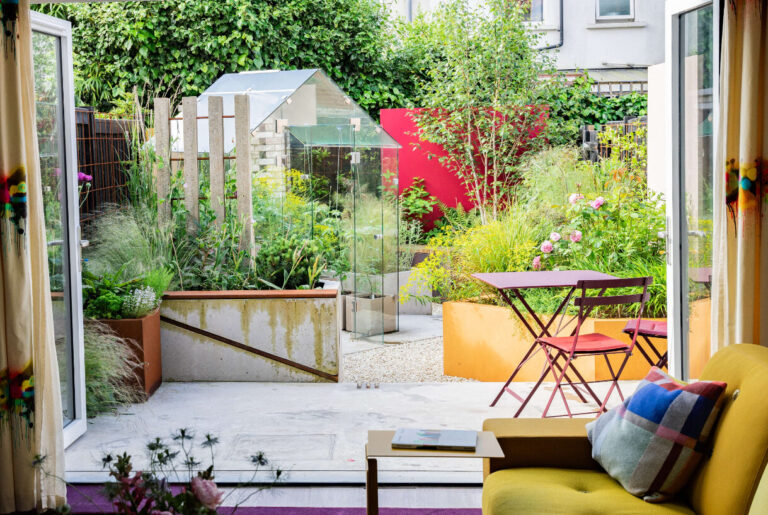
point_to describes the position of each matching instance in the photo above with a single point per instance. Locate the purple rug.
(90, 499)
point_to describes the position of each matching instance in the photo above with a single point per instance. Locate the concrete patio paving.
(315, 432)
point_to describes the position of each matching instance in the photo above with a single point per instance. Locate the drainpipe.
(557, 45)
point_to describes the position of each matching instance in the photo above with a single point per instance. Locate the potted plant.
(130, 309)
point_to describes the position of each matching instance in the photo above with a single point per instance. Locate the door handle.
(59, 243)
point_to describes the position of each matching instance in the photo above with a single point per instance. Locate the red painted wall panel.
(415, 162)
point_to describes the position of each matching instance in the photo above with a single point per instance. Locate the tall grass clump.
(110, 380)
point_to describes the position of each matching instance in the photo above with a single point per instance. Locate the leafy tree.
(182, 46)
(478, 98)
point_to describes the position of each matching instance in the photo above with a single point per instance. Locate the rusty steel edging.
(252, 350)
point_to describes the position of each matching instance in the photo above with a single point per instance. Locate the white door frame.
(62, 29)
(677, 240)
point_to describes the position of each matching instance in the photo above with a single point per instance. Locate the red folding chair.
(650, 329)
(570, 348)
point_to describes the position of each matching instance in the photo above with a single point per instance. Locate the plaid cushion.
(652, 443)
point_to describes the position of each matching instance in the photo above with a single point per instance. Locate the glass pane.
(534, 11)
(615, 7)
(50, 136)
(696, 166)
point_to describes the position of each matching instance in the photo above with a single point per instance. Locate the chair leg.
(615, 382)
(644, 353)
(527, 356)
(653, 347)
(544, 373)
(586, 384)
(615, 378)
(558, 382)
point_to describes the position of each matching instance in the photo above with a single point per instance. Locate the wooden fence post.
(162, 169)
(243, 164)
(191, 181)
(216, 157)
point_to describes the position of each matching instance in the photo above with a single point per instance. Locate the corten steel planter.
(486, 343)
(145, 332)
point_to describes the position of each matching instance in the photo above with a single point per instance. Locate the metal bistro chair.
(650, 329)
(569, 348)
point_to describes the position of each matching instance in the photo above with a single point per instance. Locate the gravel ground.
(413, 362)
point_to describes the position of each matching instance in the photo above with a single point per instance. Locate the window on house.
(533, 10)
(615, 9)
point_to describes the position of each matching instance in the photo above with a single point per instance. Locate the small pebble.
(413, 362)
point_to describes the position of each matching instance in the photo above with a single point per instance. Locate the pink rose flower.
(546, 247)
(555, 237)
(599, 201)
(206, 492)
(575, 197)
(537, 263)
(84, 177)
(576, 236)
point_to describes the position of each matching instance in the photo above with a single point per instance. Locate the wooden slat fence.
(216, 158)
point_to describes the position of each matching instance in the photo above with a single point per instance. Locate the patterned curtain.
(31, 449)
(740, 265)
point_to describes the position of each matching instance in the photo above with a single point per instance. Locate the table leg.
(372, 487)
(534, 347)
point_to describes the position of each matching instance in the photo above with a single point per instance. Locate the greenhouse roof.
(316, 111)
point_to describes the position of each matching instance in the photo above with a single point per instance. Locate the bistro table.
(513, 282)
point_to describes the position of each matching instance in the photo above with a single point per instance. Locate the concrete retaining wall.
(301, 326)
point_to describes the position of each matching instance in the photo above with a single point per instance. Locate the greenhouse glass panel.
(324, 177)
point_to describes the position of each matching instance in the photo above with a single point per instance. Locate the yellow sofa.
(548, 467)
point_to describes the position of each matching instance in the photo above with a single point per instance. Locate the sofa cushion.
(653, 441)
(564, 491)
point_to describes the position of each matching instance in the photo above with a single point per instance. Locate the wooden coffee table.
(380, 446)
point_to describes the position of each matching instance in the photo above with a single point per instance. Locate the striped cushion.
(652, 443)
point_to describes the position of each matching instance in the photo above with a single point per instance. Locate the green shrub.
(572, 105)
(180, 47)
(110, 381)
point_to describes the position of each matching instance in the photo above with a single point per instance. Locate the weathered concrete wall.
(300, 326)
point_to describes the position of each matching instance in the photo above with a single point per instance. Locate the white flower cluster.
(140, 302)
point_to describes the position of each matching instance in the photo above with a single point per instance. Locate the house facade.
(615, 40)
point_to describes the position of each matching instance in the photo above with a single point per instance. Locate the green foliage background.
(182, 46)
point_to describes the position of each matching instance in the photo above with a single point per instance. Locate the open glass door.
(55, 111)
(691, 57)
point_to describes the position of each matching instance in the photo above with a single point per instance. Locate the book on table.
(437, 439)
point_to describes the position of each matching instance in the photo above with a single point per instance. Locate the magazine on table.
(437, 439)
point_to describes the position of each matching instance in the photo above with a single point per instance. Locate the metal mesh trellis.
(104, 154)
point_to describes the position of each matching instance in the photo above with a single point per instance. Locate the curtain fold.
(740, 266)
(30, 402)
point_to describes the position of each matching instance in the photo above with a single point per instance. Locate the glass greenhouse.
(324, 167)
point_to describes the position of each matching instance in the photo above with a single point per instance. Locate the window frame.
(620, 17)
(543, 9)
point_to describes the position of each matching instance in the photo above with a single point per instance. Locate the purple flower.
(575, 197)
(555, 237)
(576, 236)
(599, 201)
(546, 247)
(82, 177)
(537, 263)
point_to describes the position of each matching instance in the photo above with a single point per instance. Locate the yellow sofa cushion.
(564, 491)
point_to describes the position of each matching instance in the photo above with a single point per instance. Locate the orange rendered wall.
(486, 343)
